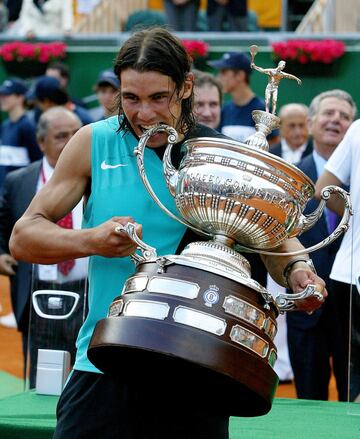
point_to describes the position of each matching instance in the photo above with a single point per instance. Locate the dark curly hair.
(156, 49)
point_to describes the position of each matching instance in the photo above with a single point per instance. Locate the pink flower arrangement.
(23, 51)
(196, 48)
(308, 51)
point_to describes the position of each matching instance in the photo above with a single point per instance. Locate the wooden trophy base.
(231, 375)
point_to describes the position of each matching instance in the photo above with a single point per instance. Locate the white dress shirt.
(80, 269)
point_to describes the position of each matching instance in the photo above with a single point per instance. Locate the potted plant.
(309, 57)
(26, 60)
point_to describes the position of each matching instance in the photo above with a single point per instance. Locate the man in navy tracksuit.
(18, 145)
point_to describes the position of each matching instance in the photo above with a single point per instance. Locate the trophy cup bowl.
(244, 194)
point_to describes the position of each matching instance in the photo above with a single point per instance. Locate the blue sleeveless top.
(119, 191)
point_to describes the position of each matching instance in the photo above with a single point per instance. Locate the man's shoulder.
(256, 103)
(6, 122)
(112, 121)
(111, 129)
(25, 122)
(109, 125)
(306, 162)
(19, 174)
(354, 128)
(276, 149)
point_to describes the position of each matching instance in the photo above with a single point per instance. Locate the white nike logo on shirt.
(106, 166)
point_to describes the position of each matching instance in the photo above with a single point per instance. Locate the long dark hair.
(156, 49)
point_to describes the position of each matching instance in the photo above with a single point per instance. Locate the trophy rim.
(254, 151)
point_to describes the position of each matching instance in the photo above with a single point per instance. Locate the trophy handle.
(147, 252)
(306, 222)
(171, 174)
(287, 302)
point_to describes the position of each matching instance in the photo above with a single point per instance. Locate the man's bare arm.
(37, 238)
(275, 264)
(300, 275)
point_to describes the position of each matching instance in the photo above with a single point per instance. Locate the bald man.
(294, 133)
(293, 146)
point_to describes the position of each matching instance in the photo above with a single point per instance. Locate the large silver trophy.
(200, 313)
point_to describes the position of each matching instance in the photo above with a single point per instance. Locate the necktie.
(332, 220)
(67, 223)
(66, 266)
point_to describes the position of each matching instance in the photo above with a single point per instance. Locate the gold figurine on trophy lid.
(266, 121)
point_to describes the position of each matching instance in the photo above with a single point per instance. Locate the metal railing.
(109, 16)
(331, 16)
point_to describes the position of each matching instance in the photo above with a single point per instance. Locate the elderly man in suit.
(56, 126)
(295, 143)
(317, 342)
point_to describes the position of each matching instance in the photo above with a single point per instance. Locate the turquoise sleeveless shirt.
(119, 191)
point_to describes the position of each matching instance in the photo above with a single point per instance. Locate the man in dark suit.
(56, 126)
(295, 143)
(316, 339)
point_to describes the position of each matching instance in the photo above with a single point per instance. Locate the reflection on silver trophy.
(202, 307)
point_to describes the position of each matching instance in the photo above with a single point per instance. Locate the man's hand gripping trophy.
(275, 76)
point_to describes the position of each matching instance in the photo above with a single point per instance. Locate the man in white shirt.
(343, 168)
(318, 343)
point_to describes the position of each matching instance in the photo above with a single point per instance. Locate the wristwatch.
(289, 266)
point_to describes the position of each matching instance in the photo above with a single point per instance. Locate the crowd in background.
(39, 18)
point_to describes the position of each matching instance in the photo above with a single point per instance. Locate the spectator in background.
(181, 15)
(232, 12)
(55, 128)
(318, 343)
(295, 143)
(18, 140)
(236, 119)
(47, 92)
(61, 71)
(4, 16)
(44, 18)
(107, 90)
(343, 168)
(293, 146)
(207, 99)
(14, 7)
